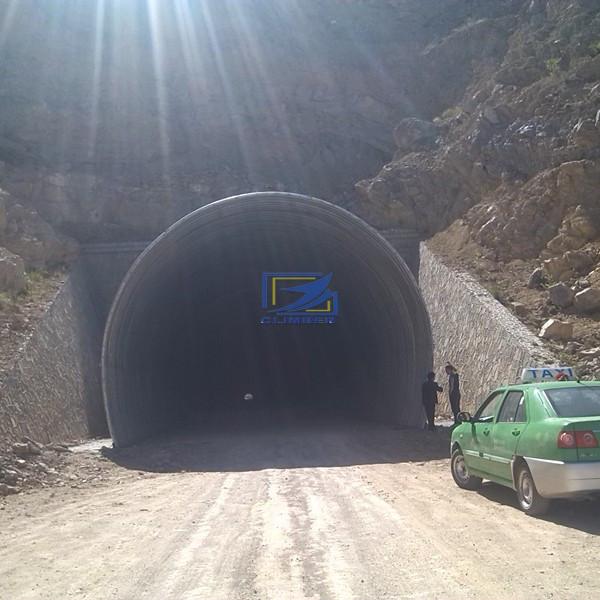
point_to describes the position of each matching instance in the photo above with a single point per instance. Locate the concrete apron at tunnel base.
(285, 300)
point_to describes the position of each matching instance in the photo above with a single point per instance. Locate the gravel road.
(324, 513)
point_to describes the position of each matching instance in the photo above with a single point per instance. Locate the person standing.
(430, 391)
(453, 390)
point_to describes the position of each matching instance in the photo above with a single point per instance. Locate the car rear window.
(580, 401)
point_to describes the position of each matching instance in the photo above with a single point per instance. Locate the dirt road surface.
(333, 513)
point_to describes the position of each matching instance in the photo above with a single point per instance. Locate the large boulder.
(577, 229)
(588, 300)
(558, 268)
(12, 272)
(561, 295)
(414, 135)
(536, 279)
(519, 309)
(553, 329)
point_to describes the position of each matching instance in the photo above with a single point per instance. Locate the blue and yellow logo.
(299, 298)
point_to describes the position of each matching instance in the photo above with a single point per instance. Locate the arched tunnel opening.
(194, 337)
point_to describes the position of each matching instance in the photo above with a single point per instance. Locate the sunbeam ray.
(10, 11)
(158, 59)
(96, 75)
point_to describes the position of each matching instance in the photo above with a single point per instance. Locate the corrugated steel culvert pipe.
(194, 327)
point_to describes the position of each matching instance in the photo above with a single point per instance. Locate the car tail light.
(586, 439)
(577, 439)
(566, 439)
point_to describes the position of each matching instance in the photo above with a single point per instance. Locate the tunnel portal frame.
(128, 420)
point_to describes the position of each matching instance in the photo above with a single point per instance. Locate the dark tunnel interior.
(185, 344)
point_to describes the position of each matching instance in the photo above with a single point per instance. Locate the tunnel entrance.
(194, 334)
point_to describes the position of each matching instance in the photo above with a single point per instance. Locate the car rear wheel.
(529, 498)
(460, 472)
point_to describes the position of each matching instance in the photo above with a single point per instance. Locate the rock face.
(517, 156)
(36, 241)
(28, 242)
(302, 97)
(310, 97)
(413, 135)
(481, 104)
(510, 189)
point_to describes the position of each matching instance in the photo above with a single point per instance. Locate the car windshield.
(580, 401)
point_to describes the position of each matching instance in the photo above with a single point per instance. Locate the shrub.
(595, 48)
(553, 66)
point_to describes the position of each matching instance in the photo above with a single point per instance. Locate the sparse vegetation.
(38, 275)
(40, 282)
(553, 66)
(451, 113)
(6, 301)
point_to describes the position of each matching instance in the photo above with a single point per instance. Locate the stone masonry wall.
(53, 393)
(473, 331)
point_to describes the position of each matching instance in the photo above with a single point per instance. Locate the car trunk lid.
(584, 424)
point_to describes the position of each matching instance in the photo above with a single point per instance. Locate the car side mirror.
(464, 417)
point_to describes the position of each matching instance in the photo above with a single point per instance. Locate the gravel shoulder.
(324, 513)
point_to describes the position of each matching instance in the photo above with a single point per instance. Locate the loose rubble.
(27, 464)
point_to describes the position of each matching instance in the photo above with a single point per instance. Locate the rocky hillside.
(33, 258)
(118, 118)
(506, 181)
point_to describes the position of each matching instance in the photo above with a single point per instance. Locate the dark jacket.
(430, 391)
(453, 385)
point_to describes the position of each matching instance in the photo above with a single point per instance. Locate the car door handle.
(516, 432)
(486, 432)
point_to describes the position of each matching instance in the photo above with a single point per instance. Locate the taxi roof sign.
(541, 374)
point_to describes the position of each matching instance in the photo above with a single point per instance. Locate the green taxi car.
(540, 439)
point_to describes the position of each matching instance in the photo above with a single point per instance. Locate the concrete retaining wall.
(105, 266)
(53, 392)
(486, 343)
(406, 242)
